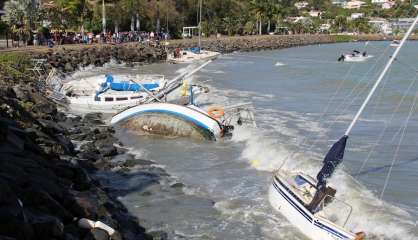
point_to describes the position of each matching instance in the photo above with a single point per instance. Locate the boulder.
(97, 234)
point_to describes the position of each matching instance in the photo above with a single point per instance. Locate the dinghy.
(355, 56)
(307, 202)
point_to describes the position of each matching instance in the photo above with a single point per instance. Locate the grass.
(344, 38)
(15, 67)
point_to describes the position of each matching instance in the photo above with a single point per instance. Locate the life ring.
(216, 112)
(360, 236)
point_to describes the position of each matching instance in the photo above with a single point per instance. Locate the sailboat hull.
(283, 201)
(170, 120)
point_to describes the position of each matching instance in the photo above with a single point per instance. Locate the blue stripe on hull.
(305, 214)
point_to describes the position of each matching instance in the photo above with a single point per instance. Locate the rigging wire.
(343, 102)
(380, 138)
(324, 112)
(413, 108)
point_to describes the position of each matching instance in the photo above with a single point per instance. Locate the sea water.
(302, 105)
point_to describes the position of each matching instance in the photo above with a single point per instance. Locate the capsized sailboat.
(306, 201)
(176, 120)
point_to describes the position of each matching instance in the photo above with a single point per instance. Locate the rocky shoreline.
(69, 58)
(48, 161)
(45, 181)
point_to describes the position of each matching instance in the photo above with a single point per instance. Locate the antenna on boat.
(381, 76)
(200, 22)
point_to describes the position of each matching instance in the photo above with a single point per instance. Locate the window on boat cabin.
(121, 98)
(136, 97)
(108, 99)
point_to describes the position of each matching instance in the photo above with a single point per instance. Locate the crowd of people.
(60, 38)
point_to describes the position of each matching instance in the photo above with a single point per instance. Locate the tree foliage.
(218, 16)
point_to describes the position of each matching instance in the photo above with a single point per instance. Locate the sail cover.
(333, 158)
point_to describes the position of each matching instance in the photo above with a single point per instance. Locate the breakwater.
(69, 58)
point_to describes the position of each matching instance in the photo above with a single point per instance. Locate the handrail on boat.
(322, 206)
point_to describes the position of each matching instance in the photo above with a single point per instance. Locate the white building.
(402, 23)
(300, 5)
(385, 4)
(339, 2)
(315, 13)
(388, 5)
(381, 25)
(356, 15)
(379, 1)
(355, 4)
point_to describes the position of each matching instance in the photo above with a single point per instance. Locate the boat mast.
(200, 21)
(381, 76)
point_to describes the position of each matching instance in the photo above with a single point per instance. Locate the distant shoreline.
(226, 44)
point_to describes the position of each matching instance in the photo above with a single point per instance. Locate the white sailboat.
(305, 201)
(193, 54)
(111, 94)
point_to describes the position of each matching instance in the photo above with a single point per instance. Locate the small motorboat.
(191, 55)
(395, 43)
(354, 56)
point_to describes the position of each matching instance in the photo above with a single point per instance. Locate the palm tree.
(21, 15)
(258, 7)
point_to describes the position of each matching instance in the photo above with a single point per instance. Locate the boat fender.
(360, 236)
(90, 224)
(216, 112)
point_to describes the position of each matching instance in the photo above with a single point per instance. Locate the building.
(381, 25)
(356, 15)
(314, 13)
(300, 5)
(402, 24)
(388, 5)
(385, 4)
(339, 2)
(355, 4)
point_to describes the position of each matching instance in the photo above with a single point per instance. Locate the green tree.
(22, 16)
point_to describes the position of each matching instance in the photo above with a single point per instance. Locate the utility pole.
(200, 20)
(103, 17)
